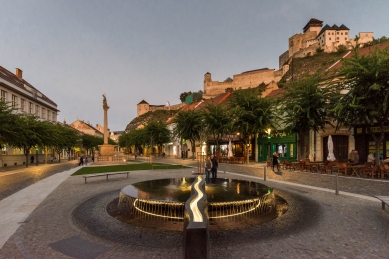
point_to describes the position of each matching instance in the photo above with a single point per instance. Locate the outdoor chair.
(287, 164)
(269, 162)
(371, 171)
(307, 165)
(343, 168)
(327, 167)
(384, 171)
(368, 170)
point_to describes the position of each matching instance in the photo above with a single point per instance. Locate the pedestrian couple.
(211, 166)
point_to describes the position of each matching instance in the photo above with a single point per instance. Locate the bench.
(167, 166)
(384, 199)
(104, 174)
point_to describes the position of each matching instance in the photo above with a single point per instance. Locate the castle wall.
(283, 59)
(241, 81)
(144, 108)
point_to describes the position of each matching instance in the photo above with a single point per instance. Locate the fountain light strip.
(197, 216)
(153, 214)
(240, 213)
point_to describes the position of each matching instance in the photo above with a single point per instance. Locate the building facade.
(27, 99)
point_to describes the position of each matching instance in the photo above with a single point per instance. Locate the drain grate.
(79, 248)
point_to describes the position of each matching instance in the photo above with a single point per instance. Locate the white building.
(26, 99)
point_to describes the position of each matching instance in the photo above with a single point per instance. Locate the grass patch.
(131, 167)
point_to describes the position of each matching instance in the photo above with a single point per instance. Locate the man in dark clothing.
(32, 159)
(81, 161)
(214, 166)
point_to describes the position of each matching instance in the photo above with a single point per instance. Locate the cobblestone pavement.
(14, 179)
(318, 224)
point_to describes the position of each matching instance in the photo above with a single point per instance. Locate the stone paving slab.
(318, 224)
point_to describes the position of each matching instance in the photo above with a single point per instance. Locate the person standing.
(275, 161)
(208, 167)
(351, 157)
(32, 159)
(370, 158)
(215, 165)
(86, 160)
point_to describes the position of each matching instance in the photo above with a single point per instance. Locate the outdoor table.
(356, 169)
(316, 166)
(296, 165)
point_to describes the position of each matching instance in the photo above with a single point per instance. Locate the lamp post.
(36, 155)
(268, 142)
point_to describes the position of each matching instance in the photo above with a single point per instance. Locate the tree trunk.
(193, 149)
(246, 148)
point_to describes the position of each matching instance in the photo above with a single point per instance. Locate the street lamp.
(36, 156)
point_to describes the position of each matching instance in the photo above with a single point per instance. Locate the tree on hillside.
(251, 114)
(365, 98)
(189, 126)
(184, 95)
(305, 107)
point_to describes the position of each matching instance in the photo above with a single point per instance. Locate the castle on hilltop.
(144, 107)
(315, 36)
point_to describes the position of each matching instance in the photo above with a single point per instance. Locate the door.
(340, 147)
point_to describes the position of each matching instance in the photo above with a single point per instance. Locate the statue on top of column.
(105, 105)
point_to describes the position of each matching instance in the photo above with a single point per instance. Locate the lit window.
(337, 33)
(3, 96)
(14, 101)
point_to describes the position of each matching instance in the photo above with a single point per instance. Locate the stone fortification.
(144, 107)
(248, 79)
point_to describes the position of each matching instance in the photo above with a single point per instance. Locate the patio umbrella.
(331, 156)
(230, 149)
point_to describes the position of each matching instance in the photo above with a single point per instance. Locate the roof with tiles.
(276, 93)
(13, 79)
(362, 51)
(333, 27)
(313, 22)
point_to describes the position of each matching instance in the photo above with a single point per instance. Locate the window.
(346, 33)
(30, 108)
(337, 38)
(337, 33)
(22, 105)
(341, 33)
(329, 33)
(14, 101)
(48, 115)
(345, 38)
(37, 110)
(3, 96)
(53, 117)
(332, 33)
(43, 113)
(329, 38)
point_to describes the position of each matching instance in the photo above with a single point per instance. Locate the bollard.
(337, 184)
(264, 173)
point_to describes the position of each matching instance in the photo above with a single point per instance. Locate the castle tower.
(142, 108)
(207, 81)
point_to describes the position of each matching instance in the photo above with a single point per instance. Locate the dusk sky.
(74, 51)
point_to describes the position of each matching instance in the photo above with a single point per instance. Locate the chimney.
(19, 73)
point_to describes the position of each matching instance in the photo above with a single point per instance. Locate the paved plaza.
(61, 217)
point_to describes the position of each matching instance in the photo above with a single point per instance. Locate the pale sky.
(74, 51)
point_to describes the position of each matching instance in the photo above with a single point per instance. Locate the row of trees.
(25, 131)
(358, 93)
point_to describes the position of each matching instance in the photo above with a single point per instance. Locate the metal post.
(337, 184)
(36, 156)
(264, 173)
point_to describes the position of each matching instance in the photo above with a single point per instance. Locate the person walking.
(208, 167)
(275, 161)
(86, 160)
(215, 165)
(81, 161)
